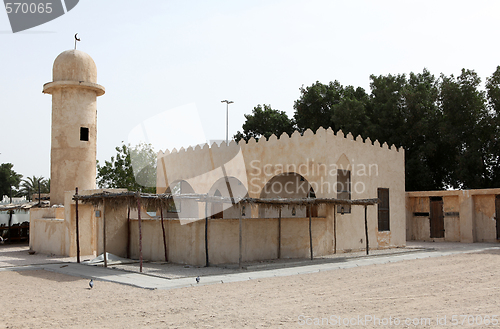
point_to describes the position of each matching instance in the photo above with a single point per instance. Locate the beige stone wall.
(484, 217)
(451, 207)
(469, 215)
(47, 231)
(53, 230)
(186, 243)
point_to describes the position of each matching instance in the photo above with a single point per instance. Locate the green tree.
(8, 178)
(448, 126)
(385, 109)
(265, 121)
(422, 138)
(349, 115)
(30, 185)
(491, 138)
(314, 108)
(466, 127)
(133, 168)
(403, 111)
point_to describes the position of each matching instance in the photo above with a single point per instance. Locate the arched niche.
(286, 186)
(181, 208)
(227, 187)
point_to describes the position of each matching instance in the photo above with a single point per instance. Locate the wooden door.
(497, 215)
(437, 217)
(383, 209)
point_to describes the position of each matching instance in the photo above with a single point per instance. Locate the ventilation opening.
(84, 134)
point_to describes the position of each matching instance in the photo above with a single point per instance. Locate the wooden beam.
(140, 230)
(310, 233)
(240, 240)
(335, 229)
(279, 234)
(104, 232)
(366, 232)
(129, 231)
(207, 263)
(77, 230)
(164, 237)
(204, 198)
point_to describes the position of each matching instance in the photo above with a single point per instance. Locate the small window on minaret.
(84, 134)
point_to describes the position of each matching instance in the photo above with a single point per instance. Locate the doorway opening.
(437, 217)
(497, 215)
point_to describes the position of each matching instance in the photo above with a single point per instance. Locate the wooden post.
(140, 229)
(335, 229)
(11, 212)
(240, 240)
(129, 233)
(279, 234)
(366, 233)
(207, 263)
(164, 237)
(104, 232)
(310, 232)
(77, 230)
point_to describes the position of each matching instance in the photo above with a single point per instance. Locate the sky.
(167, 65)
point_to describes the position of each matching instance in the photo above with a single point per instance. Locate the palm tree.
(30, 185)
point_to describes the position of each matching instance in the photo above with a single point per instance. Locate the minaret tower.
(74, 91)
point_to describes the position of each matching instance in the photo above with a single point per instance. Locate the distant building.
(458, 216)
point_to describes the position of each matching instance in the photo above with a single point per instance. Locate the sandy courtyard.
(417, 291)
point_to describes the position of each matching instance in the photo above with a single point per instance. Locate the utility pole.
(227, 118)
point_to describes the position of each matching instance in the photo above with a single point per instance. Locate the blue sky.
(158, 55)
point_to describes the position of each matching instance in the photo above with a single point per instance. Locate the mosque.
(320, 165)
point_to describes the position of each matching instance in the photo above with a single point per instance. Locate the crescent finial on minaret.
(76, 39)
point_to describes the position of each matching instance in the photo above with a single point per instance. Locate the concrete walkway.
(420, 250)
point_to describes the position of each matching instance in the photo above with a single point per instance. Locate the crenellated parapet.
(321, 133)
(315, 156)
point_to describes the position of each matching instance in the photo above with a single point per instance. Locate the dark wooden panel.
(383, 209)
(437, 218)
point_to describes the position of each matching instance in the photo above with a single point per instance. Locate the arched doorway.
(181, 208)
(287, 186)
(227, 187)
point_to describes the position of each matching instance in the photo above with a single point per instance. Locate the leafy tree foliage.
(314, 108)
(350, 114)
(448, 126)
(332, 105)
(264, 121)
(465, 127)
(491, 140)
(420, 133)
(133, 168)
(30, 185)
(8, 178)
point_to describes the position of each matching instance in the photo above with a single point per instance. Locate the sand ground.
(417, 292)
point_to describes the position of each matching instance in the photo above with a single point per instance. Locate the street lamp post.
(227, 117)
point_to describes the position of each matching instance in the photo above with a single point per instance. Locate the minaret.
(74, 91)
